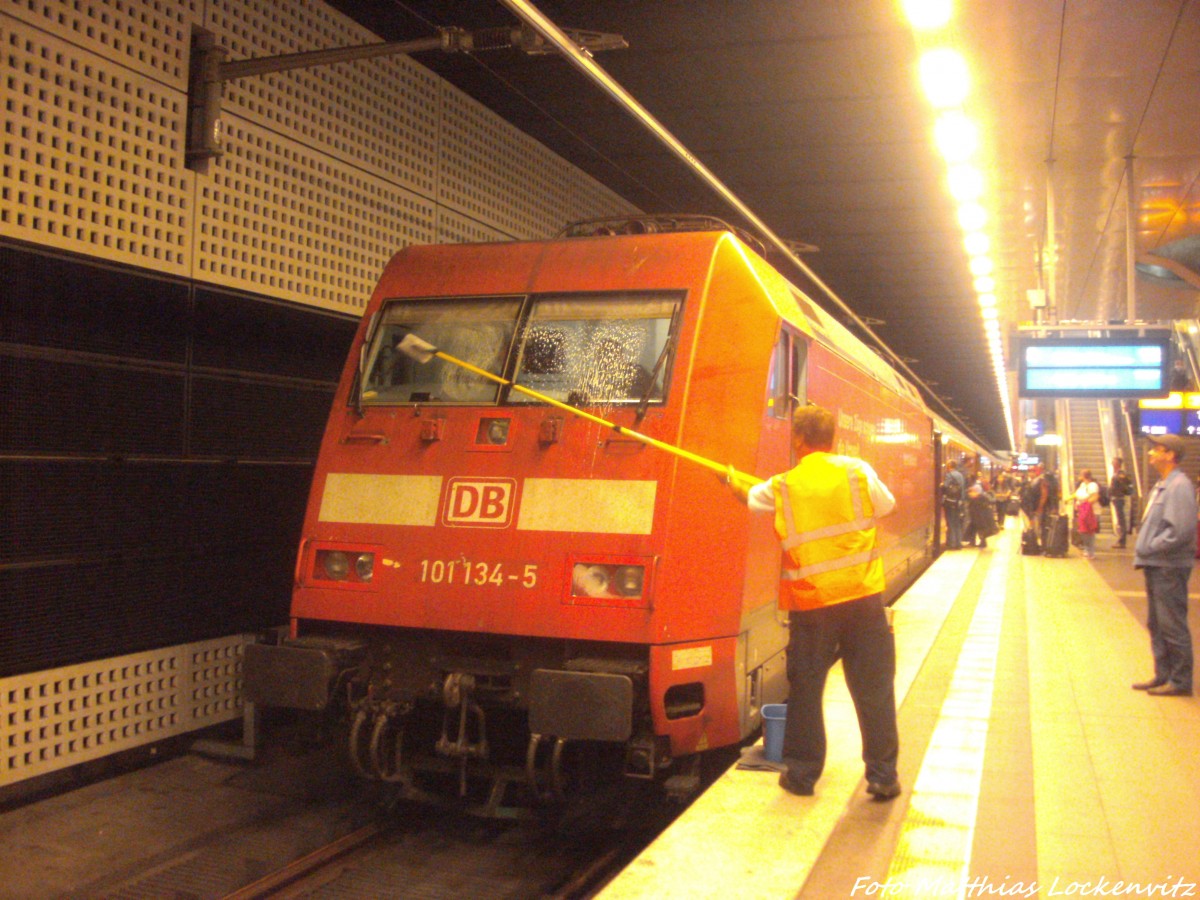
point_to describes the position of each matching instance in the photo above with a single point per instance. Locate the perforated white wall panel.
(62, 717)
(92, 152)
(327, 171)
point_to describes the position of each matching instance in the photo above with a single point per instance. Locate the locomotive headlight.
(590, 581)
(600, 581)
(364, 566)
(627, 581)
(336, 564)
(348, 567)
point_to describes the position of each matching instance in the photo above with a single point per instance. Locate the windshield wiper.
(668, 347)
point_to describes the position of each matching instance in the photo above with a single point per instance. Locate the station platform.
(1030, 767)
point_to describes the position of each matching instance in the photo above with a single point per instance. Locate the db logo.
(479, 502)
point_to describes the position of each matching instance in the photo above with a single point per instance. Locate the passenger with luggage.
(1056, 528)
(1003, 493)
(981, 516)
(1120, 487)
(1087, 520)
(954, 490)
(1034, 495)
(1165, 552)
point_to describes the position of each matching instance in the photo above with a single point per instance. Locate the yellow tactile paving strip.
(933, 851)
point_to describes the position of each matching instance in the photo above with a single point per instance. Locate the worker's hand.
(740, 482)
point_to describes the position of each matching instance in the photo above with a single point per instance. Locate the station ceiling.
(810, 112)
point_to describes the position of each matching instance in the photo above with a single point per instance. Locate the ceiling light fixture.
(956, 136)
(928, 14)
(977, 243)
(965, 181)
(944, 77)
(972, 216)
(981, 265)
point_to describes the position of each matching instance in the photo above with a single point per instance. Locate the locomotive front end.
(476, 580)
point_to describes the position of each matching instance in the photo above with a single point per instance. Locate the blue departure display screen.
(1126, 367)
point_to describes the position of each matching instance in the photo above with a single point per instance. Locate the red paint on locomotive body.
(473, 511)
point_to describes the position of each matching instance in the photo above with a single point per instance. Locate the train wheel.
(387, 750)
(545, 779)
(355, 747)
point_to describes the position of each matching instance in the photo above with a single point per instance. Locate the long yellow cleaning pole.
(422, 351)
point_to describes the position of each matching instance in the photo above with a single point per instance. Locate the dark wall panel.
(268, 338)
(85, 407)
(252, 419)
(48, 301)
(156, 448)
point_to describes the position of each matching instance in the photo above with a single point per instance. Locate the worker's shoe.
(881, 791)
(1148, 685)
(795, 786)
(1169, 690)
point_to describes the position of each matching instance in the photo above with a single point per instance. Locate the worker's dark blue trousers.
(858, 632)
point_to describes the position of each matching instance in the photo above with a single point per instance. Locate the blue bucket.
(774, 716)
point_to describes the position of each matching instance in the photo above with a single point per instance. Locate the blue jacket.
(1167, 535)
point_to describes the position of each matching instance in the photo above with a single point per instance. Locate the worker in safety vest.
(832, 584)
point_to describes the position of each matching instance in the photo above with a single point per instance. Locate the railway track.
(327, 851)
(371, 862)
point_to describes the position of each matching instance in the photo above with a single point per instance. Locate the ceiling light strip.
(945, 78)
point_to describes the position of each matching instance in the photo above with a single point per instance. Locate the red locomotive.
(495, 588)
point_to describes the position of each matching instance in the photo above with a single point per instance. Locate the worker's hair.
(815, 425)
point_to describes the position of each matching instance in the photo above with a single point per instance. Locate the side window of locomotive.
(787, 383)
(799, 371)
(476, 331)
(607, 349)
(777, 379)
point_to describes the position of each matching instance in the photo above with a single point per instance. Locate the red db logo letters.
(479, 502)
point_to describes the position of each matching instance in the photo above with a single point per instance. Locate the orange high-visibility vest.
(826, 523)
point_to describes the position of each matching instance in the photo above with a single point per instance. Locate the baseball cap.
(1170, 441)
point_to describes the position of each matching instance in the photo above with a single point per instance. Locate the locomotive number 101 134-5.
(477, 574)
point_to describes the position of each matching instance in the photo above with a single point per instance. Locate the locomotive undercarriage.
(499, 723)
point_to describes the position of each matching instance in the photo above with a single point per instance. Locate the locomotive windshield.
(595, 349)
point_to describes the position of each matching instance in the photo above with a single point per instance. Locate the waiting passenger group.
(1165, 552)
(972, 509)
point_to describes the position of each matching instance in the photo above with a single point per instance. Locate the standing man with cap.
(832, 585)
(1166, 552)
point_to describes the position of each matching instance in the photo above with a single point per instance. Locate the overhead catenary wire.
(583, 61)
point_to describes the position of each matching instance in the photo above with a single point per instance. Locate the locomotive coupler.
(456, 692)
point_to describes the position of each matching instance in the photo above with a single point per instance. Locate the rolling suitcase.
(1029, 543)
(1057, 537)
